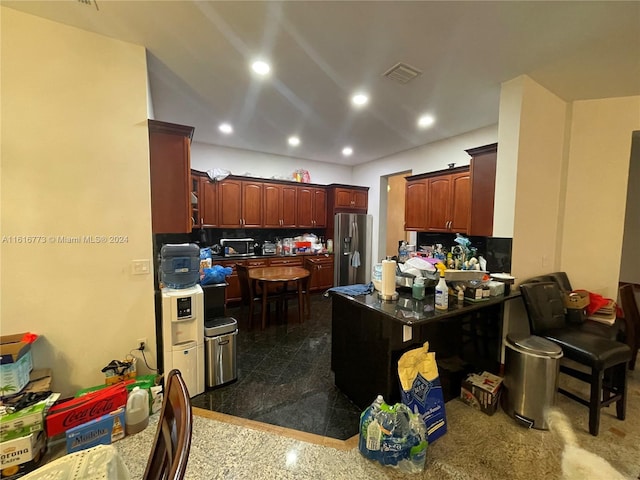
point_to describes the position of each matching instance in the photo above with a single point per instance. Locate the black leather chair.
(607, 359)
(632, 321)
(616, 331)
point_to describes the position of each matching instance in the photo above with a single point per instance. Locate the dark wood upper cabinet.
(170, 172)
(459, 200)
(209, 202)
(415, 206)
(279, 206)
(252, 204)
(312, 207)
(349, 199)
(483, 186)
(230, 203)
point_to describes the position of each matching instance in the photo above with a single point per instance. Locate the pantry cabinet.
(280, 206)
(312, 207)
(170, 177)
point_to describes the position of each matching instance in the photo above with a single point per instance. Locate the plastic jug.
(136, 415)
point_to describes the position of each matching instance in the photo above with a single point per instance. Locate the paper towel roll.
(388, 277)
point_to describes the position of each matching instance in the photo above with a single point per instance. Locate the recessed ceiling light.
(426, 121)
(225, 128)
(360, 99)
(261, 67)
(346, 151)
(294, 141)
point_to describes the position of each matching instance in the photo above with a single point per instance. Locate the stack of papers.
(605, 314)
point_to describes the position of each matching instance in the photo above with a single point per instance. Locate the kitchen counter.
(369, 336)
(219, 258)
(409, 311)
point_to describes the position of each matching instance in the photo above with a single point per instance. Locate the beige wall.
(600, 150)
(74, 163)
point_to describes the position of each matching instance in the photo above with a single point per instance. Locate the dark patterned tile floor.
(285, 377)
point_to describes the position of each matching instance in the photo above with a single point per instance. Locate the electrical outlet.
(141, 344)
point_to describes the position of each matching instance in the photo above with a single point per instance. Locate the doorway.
(395, 213)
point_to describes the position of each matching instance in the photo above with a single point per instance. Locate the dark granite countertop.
(219, 258)
(410, 311)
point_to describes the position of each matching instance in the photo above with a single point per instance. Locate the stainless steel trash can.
(220, 351)
(531, 372)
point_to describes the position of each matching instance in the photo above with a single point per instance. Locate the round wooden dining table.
(280, 275)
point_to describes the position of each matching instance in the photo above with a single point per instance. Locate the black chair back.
(561, 278)
(545, 306)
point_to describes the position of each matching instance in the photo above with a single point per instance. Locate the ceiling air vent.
(402, 73)
(88, 2)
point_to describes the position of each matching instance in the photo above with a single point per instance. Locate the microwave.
(237, 247)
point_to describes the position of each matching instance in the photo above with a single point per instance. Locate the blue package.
(215, 274)
(425, 398)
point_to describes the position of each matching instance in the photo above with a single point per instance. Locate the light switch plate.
(140, 267)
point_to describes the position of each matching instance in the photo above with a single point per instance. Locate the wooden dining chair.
(172, 443)
(251, 295)
(632, 321)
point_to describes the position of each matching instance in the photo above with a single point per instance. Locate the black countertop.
(219, 258)
(410, 311)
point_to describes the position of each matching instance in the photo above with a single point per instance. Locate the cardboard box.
(21, 455)
(578, 299)
(77, 411)
(12, 347)
(25, 421)
(481, 392)
(101, 431)
(15, 376)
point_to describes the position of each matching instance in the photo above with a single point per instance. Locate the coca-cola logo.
(81, 415)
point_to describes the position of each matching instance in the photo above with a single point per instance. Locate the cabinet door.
(272, 214)
(415, 205)
(232, 292)
(289, 206)
(483, 185)
(170, 183)
(360, 200)
(343, 198)
(208, 202)
(320, 208)
(460, 202)
(230, 203)
(251, 205)
(323, 276)
(305, 207)
(438, 194)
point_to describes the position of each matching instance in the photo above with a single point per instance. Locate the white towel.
(355, 259)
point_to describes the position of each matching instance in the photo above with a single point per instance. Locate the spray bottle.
(442, 291)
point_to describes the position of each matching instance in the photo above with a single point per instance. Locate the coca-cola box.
(80, 410)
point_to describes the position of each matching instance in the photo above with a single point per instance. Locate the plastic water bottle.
(136, 415)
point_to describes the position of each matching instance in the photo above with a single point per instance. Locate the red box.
(79, 410)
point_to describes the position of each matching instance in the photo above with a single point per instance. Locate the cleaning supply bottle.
(418, 288)
(442, 291)
(136, 414)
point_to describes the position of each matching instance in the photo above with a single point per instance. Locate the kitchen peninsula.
(369, 335)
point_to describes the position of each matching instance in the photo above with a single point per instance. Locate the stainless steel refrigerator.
(352, 249)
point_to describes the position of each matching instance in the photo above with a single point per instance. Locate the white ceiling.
(323, 51)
